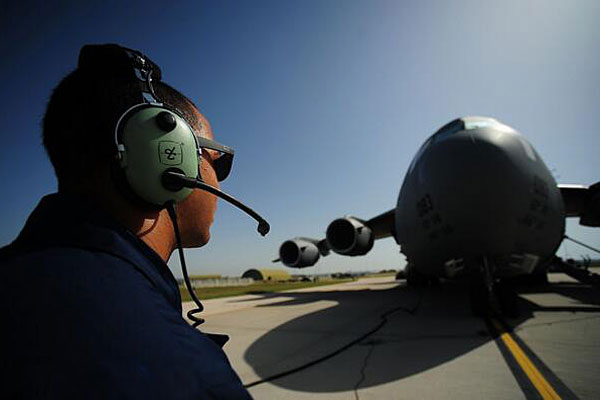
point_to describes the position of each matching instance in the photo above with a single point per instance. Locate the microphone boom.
(175, 180)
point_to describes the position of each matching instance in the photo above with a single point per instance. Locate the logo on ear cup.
(170, 153)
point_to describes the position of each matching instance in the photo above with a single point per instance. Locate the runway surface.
(376, 338)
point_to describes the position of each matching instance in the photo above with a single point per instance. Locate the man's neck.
(158, 234)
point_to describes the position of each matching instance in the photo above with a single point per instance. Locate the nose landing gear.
(489, 296)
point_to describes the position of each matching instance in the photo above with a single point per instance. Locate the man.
(90, 308)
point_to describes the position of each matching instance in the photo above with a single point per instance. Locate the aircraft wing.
(383, 224)
(582, 201)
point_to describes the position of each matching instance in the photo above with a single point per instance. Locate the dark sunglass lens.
(223, 166)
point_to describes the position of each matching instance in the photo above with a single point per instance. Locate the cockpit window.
(473, 123)
(481, 122)
(449, 129)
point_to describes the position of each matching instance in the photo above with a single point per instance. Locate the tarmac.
(376, 338)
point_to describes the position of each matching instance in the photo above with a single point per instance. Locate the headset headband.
(121, 62)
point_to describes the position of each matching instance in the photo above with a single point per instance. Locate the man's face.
(196, 213)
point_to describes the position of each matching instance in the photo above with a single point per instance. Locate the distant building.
(275, 275)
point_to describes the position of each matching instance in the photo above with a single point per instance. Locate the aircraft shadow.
(411, 330)
(581, 293)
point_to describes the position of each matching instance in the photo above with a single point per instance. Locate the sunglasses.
(221, 164)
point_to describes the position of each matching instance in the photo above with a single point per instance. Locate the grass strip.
(255, 288)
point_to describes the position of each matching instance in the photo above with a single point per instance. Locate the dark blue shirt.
(90, 311)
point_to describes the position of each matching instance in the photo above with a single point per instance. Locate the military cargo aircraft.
(477, 201)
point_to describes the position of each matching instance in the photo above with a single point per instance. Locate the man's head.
(78, 134)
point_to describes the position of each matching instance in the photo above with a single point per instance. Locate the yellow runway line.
(535, 376)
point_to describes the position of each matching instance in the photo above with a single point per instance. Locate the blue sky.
(325, 102)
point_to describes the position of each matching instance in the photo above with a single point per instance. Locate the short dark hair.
(80, 119)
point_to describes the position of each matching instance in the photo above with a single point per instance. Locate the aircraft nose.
(476, 162)
(480, 183)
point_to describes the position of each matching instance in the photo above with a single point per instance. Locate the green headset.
(150, 137)
(151, 140)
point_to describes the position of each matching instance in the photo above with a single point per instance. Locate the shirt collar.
(69, 220)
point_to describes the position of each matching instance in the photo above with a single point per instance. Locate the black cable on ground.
(381, 324)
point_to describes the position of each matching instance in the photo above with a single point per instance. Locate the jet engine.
(299, 252)
(350, 236)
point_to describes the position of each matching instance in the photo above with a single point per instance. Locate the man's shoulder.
(67, 280)
(54, 261)
(94, 311)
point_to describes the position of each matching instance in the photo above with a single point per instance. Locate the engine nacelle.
(350, 236)
(299, 253)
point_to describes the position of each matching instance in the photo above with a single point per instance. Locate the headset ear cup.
(151, 139)
(120, 181)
